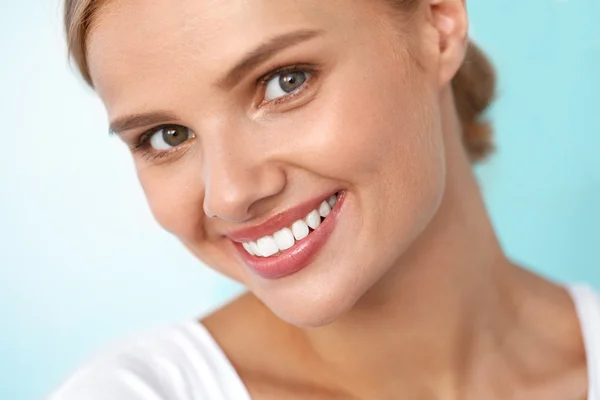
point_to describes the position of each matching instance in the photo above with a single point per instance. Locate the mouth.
(287, 243)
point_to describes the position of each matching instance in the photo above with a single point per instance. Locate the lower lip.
(298, 257)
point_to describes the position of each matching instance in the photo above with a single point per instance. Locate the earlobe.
(449, 18)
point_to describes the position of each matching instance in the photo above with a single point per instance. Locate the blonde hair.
(474, 85)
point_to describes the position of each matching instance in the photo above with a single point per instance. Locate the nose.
(236, 180)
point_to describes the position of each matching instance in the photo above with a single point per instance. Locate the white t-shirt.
(184, 362)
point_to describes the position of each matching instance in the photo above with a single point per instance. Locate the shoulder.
(180, 362)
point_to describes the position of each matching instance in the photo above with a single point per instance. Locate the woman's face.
(245, 116)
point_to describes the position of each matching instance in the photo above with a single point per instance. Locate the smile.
(286, 238)
(286, 243)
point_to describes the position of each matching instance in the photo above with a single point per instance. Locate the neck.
(440, 302)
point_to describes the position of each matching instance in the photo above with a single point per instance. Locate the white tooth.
(267, 246)
(324, 209)
(300, 230)
(284, 239)
(248, 248)
(254, 248)
(313, 220)
(332, 201)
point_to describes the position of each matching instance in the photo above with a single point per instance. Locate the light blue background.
(82, 262)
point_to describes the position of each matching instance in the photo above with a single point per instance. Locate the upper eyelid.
(134, 138)
(286, 68)
(143, 138)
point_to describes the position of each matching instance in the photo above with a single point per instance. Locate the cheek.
(402, 161)
(175, 197)
(375, 133)
(384, 141)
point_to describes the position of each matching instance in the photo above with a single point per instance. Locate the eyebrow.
(263, 53)
(134, 121)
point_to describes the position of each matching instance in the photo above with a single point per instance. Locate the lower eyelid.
(165, 155)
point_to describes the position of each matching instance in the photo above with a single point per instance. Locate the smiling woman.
(328, 169)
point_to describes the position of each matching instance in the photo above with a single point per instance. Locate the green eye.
(285, 83)
(171, 136)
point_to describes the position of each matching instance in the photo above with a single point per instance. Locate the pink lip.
(298, 257)
(276, 223)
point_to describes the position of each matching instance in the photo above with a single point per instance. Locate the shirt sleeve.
(172, 365)
(128, 378)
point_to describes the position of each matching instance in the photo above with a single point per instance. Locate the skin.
(412, 295)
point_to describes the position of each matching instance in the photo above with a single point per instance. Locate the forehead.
(133, 41)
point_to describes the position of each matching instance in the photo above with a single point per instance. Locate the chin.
(313, 312)
(327, 292)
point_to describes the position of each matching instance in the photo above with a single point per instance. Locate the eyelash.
(143, 148)
(143, 143)
(265, 79)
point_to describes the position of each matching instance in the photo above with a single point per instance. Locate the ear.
(449, 18)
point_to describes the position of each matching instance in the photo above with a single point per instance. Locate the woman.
(320, 153)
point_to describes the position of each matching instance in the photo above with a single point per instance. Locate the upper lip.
(283, 219)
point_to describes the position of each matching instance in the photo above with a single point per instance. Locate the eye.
(285, 83)
(167, 137)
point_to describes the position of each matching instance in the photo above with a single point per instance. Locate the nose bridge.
(236, 174)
